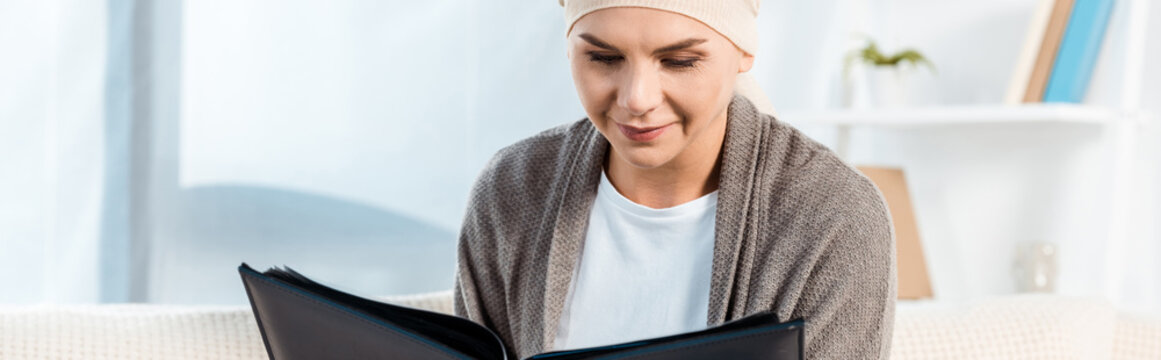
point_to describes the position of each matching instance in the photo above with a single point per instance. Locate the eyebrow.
(664, 49)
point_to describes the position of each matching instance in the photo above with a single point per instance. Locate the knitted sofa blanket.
(1011, 327)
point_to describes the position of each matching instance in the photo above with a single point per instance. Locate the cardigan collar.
(740, 161)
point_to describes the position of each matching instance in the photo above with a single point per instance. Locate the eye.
(680, 63)
(604, 59)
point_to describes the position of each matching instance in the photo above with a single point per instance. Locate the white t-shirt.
(643, 272)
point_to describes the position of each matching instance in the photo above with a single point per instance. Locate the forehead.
(637, 25)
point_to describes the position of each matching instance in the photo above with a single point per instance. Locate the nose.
(640, 91)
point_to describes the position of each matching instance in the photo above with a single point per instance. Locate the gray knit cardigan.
(797, 232)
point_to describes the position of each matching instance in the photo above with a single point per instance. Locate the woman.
(676, 204)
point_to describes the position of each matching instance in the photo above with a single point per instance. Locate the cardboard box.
(910, 264)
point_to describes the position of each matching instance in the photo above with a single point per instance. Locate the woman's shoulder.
(823, 204)
(812, 178)
(528, 167)
(541, 153)
(550, 141)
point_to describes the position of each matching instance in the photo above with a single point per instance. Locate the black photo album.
(302, 319)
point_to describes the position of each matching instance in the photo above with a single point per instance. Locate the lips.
(642, 134)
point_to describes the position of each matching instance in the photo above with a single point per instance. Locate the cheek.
(695, 95)
(592, 85)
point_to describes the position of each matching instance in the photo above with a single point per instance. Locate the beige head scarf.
(734, 19)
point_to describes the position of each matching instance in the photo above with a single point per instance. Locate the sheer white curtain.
(148, 147)
(59, 194)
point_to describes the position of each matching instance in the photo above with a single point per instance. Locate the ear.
(745, 63)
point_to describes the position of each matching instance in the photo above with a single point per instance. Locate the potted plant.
(881, 80)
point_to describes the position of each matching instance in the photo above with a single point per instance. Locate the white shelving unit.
(1117, 103)
(957, 115)
(1046, 113)
(1115, 106)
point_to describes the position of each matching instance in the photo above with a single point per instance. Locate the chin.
(644, 158)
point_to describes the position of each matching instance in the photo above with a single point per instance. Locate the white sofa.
(1015, 327)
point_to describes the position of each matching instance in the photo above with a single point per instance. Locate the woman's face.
(653, 82)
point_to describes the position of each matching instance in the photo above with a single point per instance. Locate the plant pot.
(889, 87)
(878, 87)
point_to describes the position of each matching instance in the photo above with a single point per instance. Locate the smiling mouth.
(642, 134)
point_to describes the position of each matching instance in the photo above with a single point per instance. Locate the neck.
(693, 173)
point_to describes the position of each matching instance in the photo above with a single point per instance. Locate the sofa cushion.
(129, 332)
(137, 331)
(1011, 327)
(1138, 337)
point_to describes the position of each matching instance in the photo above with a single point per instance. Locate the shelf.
(959, 115)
